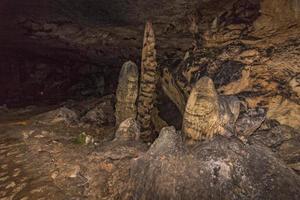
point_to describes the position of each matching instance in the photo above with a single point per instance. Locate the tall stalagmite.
(127, 92)
(148, 79)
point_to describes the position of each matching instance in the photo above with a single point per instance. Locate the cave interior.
(150, 99)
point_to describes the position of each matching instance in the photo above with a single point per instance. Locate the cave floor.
(40, 161)
(44, 156)
(20, 179)
(22, 176)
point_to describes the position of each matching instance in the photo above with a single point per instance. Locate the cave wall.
(80, 43)
(278, 14)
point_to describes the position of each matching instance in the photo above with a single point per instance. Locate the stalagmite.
(207, 114)
(148, 79)
(127, 93)
(202, 114)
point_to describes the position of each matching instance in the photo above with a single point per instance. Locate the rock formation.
(169, 141)
(207, 114)
(229, 113)
(221, 169)
(148, 79)
(249, 121)
(283, 140)
(202, 114)
(127, 93)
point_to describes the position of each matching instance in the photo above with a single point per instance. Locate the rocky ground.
(48, 156)
(60, 153)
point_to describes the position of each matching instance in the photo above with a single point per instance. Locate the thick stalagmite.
(127, 92)
(202, 113)
(148, 79)
(208, 114)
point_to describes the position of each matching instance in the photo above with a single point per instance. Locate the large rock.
(220, 169)
(282, 140)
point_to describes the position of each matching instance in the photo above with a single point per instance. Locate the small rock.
(102, 114)
(50, 27)
(295, 167)
(128, 130)
(63, 114)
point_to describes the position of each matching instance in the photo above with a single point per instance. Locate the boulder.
(224, 168)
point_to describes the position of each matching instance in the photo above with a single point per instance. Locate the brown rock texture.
(149, 77)
(127, 93)
(43, 160)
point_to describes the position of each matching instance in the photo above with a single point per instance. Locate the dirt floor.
(41, 160)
